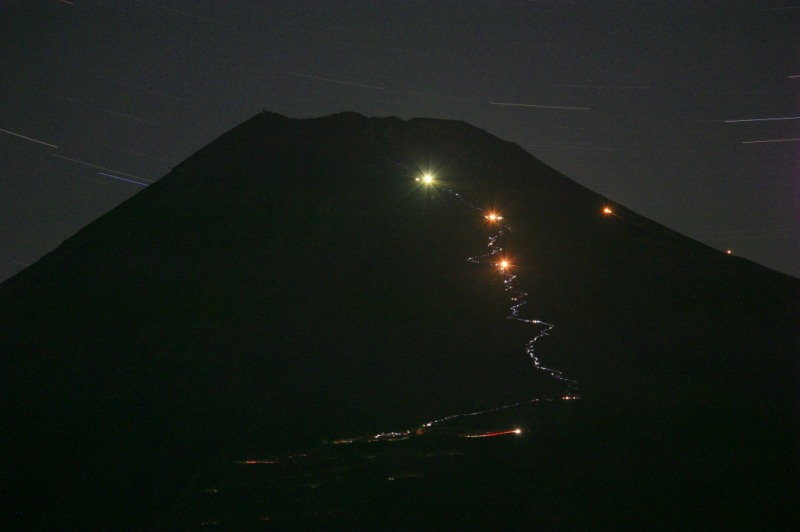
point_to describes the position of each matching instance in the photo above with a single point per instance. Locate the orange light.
(729, 252)
(504, 264)
(493, 217)
(607, 210)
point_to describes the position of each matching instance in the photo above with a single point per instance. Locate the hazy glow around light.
(504, 264)
(607, 210)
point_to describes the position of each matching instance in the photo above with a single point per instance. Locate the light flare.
(492, 434)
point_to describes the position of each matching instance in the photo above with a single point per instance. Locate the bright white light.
(607, 210)
(427, 179)
(517, 431)
(504, 264)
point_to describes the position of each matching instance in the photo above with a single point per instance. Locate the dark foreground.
(563, 470)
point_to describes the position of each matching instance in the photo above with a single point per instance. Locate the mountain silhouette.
(292, 283)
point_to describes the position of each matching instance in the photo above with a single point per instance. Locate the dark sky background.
(686, 112)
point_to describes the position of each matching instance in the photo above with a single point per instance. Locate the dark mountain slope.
(291, 282)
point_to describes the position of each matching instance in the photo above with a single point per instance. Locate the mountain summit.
(293, 282)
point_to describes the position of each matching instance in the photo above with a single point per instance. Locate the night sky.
(686, 112)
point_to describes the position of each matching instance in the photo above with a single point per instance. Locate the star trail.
(650, 105)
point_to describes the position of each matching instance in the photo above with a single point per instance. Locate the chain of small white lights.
(518, 299)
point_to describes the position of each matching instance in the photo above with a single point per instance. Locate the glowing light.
(607, 210)
(427, 179)
(493, 217)
(492, 434)
(729, 251)
(504, 265)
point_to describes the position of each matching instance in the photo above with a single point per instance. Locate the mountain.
(292, 283)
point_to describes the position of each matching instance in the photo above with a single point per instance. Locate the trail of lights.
(493, 434)
(495, 258)
(84, 163)
(272, 461)
(769, 141)
(29, 138)
(330, 80)
(770, 119)
(478, 413)
(510, 104)
(123, 179)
